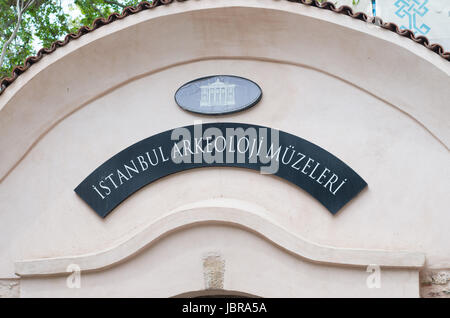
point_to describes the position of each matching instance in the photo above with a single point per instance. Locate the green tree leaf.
(46, 21)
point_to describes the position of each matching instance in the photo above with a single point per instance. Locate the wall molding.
(226, 212)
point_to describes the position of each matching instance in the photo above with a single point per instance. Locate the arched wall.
(375, 100)
(230, 259)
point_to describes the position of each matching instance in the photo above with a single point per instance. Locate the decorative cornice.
(99, 22)
(228, 212)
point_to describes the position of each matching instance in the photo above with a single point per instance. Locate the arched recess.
(215, 293)
(402, 73)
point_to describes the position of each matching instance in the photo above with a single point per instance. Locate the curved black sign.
(218, 94)
(270, 151)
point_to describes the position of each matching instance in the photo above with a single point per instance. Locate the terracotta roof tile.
(99, 22)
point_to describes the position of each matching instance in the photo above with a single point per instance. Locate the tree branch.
(9, 23)
(21, 8)
(14, 33)
(114, 3)
(97, 9)
(27, 5)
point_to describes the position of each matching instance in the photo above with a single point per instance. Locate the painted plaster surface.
(430, 18)
(374, 220)
(392, 129)
(84, 73)
(9, 288)
(251, 265)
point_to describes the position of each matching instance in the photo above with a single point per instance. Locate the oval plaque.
(218, 94)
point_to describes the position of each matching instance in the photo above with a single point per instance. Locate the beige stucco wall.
(375, 100)
(249, 265)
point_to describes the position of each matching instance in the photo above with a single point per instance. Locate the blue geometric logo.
(413, 10)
